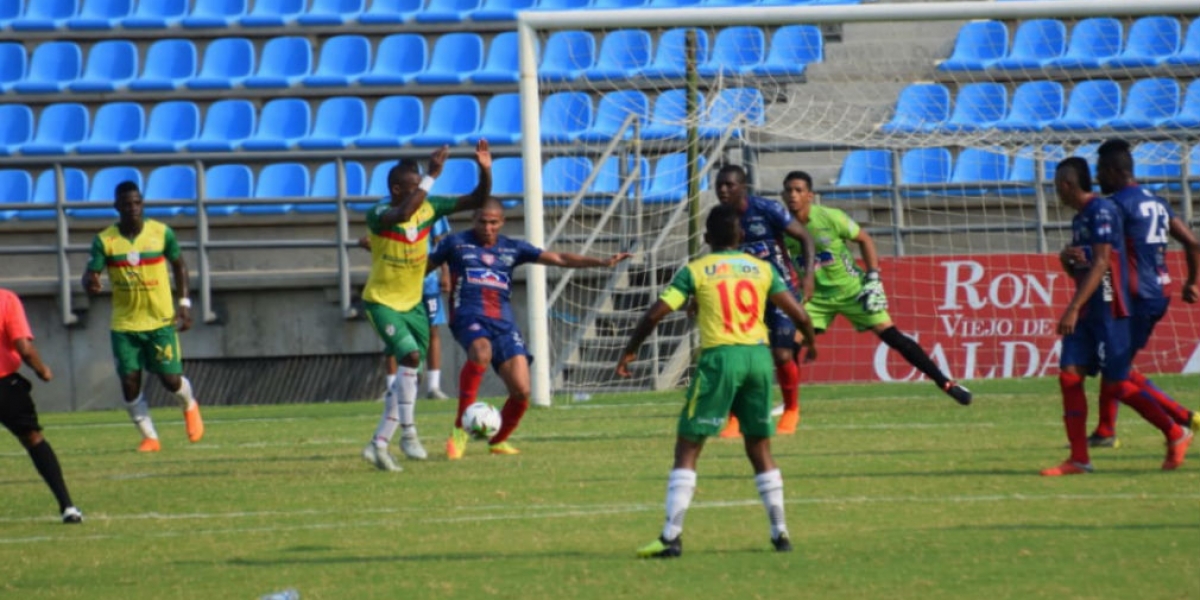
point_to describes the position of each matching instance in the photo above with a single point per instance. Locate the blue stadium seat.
(564, 116)
(60, 127)
(455, 56)
(45, 191)
(977, 171)
(1093, 41)
(447, 11)
(101, 191)
(1189, 52)
(332, 12)
(501, 10)
(732, 108)
(225, 182)
(340, 121)
(1089, 152)
(16, 127)
(735, 51)
(282, 124)
(1149, 103)
(171, 126)
(227, 62)
(459, 176)
(501, 63)
(1092, 105)
(169, 66)
(377, 186)
(920, 107)
(284, 62)
(670, 115)
(344, 58)
(1157, 165)
(1036, 43)
(278, 180)
(394, 121)
(15, 186)
(170, 182)
(670, 180)
(1152, 40)
(978, 44)
(115, 126)
(100, 15)
(391, 12)
(924, 166)
(978, 106)
(452, 119)
(45, 15)
(52, 67)
(1194, 166)
(111, 65)
(324, 185)
(398, 60)
(792, 48)
(563, 176)
(670, 54)
(158, 14)
(226, 124)
(272, 13)
(12, 65)
(862, 168)
(1189, 109)
(214, 14)
(568, 55)
(1024, 167)
(608, 179)
(623, 53)
(1035, 105)
(611, 112)
(508, 178)
(9, 11)
(501, 121)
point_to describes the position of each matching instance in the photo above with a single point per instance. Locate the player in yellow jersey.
(399, 228)
(135, 251)
(734, 372)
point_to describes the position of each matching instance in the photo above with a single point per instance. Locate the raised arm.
(649, 321)
(578, 261)
(797, 230)
(481, 192)
(1087, 287)
(411, 201)
(1191, 248)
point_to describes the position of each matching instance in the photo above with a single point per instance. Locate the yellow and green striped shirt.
(137, 269)
(731, 289)
(399, 253)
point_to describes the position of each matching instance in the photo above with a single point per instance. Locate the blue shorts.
(781, 330)
(435, 308)
(1099, 346)
(1146, 314)
(506, 339)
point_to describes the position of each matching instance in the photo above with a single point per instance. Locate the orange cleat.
(788, 422)
(1177, 450)
(149, 445)
(731, 430)
(193, 422)
(1067, 468)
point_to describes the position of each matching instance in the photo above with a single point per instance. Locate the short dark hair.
(737, 169)
(1116, 154)
(801, 175)
(405, 166)
(1078, 167)
(123, 188)
(722, 226)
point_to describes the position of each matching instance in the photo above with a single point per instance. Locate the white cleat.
(437, 395)
(381, 458)
(777, 411)
(412, 448)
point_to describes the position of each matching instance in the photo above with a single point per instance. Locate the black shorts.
(17, 412)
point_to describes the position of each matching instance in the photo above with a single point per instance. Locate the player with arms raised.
(733, 373)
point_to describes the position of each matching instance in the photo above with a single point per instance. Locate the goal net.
(936, 126)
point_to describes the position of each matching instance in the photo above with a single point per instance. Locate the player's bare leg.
(139, 411)
(515, 374)
(181, 388)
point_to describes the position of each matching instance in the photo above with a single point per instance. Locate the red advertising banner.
(987, 317)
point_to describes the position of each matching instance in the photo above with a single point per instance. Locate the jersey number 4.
(1157, 232)
(743, 297)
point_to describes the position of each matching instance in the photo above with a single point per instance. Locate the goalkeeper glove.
(872, 297)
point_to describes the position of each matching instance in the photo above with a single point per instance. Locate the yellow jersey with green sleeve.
(731, 289)
(137, 269)
(399, 253)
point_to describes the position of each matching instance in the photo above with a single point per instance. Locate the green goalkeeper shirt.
(838, 276)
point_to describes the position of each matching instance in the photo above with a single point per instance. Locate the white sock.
(435, 379)
(681, 485)
(139, 412)
(391, 380)
(390, 419)
(184, 394)
(406, 397)
(770, 489)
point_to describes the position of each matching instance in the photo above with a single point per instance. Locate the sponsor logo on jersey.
(730, 268)
(757, 228)
(487, 278)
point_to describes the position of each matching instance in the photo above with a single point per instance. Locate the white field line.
(488, 513)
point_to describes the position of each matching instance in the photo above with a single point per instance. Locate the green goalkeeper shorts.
(735, 379)
(824, 310)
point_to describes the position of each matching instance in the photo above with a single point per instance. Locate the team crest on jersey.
(133, 257)
(411, 233)
(474, 327)
(390, 330)
(487, 259)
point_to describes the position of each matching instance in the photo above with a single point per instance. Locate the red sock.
(468, 387)
(788, 376)
(1178, 412)
(1147, 407)
(1075, 415)
(1107, 425)
(510, 417)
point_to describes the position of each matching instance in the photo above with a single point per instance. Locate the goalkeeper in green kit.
(842, 288)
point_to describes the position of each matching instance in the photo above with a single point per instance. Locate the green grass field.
(893, 491)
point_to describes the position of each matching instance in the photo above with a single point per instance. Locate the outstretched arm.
(797, 230)
(1191, 248)
(183, 316)
(481, 192)
(412, 201)
(578, 261)
(788, 304)
(644, 328)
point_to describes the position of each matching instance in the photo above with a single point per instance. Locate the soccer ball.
(481, 420)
